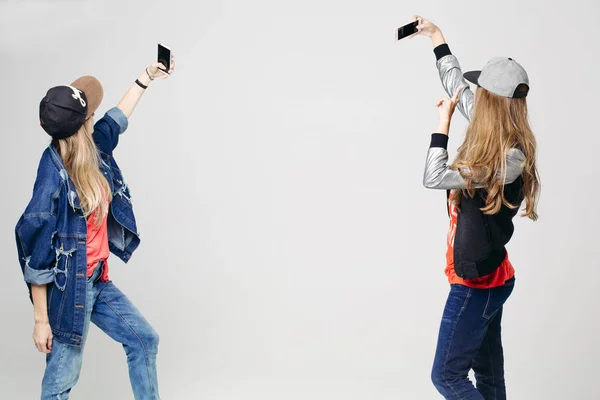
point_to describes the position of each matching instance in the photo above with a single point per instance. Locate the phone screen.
(407, 30)
(164, 56)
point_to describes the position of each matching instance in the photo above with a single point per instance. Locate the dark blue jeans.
(470, 338)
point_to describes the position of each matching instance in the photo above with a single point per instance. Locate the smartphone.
(164, 57)
(407, 30)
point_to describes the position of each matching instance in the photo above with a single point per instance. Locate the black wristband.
(442, 50)
(439, 140)
(140, 84)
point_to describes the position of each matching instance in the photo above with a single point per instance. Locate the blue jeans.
(109, 309)
(470, 338)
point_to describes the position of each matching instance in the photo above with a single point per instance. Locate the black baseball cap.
(64, 109)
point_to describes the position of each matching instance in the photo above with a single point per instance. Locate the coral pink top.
(97, 245)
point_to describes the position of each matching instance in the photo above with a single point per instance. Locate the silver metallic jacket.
(437, 173)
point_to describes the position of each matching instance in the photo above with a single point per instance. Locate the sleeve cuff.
(119, 117)
(439, 140)
(442, 51)
(38, 276)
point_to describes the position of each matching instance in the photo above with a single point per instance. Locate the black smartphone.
(164, 57)
(407, 30)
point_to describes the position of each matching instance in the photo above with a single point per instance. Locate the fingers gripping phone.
(164, 57)
(407, 30)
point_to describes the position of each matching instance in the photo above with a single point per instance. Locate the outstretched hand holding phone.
(449, 70)
(155, 71)
(164, 65)
(429, 29)
(159, 71)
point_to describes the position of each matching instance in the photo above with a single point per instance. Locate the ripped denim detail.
(71, 194)
(64, 271)
(122, 191)
(27, 260)
(72, 197)
(64, 175)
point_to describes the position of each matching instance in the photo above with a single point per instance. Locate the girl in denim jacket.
(80, 211)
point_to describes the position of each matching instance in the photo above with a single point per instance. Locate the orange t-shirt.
(97, 245)
(497, 278)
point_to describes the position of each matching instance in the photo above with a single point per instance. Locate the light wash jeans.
(109, 309)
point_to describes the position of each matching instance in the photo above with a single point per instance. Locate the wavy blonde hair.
(82, 160)
(498, 124)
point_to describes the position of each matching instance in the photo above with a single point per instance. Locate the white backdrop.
(289, 250)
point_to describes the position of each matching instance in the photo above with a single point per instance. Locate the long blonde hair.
(82, 160)
(498, 124)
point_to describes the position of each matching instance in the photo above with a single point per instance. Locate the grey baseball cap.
(502, 76)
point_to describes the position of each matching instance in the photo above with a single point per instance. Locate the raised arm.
(135, 92)
(452, 79)
(116, 120)
(449, 69)
(438, 174)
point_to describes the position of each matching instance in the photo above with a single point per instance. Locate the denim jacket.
(51, 234)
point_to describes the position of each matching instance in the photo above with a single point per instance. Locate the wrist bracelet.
(148, 73)
(140, 84)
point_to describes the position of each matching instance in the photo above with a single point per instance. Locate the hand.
(426, 27)
(446, 107)
(156, 70)
(42, 337)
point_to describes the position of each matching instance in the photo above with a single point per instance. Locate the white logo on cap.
(77, 95)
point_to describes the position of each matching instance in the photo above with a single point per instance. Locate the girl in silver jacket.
(493, 174)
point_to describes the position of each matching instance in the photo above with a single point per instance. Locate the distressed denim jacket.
(51, 234)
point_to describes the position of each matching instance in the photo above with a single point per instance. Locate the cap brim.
(93, 92)
(472, 76)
